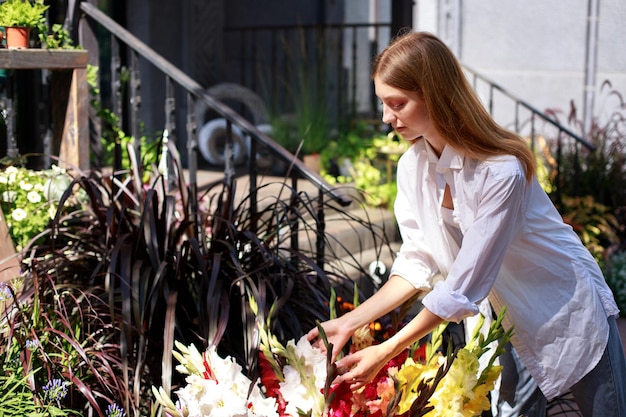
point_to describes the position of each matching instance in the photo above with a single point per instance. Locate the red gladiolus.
(270, 382)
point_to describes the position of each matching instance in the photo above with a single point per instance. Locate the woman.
(471, 210)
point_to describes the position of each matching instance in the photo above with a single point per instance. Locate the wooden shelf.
(52, 59)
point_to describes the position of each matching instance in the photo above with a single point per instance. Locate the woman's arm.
(392, 294)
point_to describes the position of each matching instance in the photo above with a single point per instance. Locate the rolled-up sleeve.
(498, 219)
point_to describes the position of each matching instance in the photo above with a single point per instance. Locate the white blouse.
(516, 251)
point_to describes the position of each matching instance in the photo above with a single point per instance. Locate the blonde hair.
(419, 61)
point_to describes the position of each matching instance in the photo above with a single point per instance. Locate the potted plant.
(18, 17)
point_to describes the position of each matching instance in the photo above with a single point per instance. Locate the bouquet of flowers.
(422, 381)
(296, 380)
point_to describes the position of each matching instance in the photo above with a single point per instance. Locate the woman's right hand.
(337, 332)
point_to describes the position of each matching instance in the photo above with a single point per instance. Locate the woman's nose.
(388, 115)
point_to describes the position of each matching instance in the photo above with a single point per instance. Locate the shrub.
(594, 182)
(56, 349)
(594, 223)
(140, 265)
(368, 160)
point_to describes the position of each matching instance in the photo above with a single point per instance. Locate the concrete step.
(357, 242)
(353, 231)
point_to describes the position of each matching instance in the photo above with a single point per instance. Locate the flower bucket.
(17, 37)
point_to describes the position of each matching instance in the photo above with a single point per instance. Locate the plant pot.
(17, 37)
(313, 162)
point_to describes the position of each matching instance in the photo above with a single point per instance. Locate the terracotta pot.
(313, 162)
(17, 37)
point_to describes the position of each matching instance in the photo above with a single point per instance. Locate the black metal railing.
(334, 57)
(195, 93)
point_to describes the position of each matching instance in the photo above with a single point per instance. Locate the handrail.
(223, 110)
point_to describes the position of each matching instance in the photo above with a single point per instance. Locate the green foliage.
(22, 13)
(55, 37)
(15, 394)
(29, 200)
(306, 121)
(19, 400)
(600, 173)
(284, 132)
(28, 384)
(594, 223)
(590, 186)
(116, 143)
(615, 273)
(367, 160)
(28, 13)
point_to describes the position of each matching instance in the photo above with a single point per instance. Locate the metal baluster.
(116, 91)
(321, 226)
(354, 71)
(166, 165)
(192, 164)
(252, 170)
(9, 118)
(229, 160)
(373, 52)
(577, 170)
(135, 102)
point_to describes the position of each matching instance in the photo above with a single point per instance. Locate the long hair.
(420, 62)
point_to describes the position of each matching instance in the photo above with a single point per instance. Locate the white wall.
(534, 48)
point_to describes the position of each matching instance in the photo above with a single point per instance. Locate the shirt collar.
(449, 159)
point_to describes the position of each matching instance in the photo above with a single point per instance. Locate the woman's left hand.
(359, 368)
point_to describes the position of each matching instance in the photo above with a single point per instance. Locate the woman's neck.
(436, 143)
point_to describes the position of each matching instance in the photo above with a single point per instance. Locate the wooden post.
(9, 263)
(70, 123)
(74, 149)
